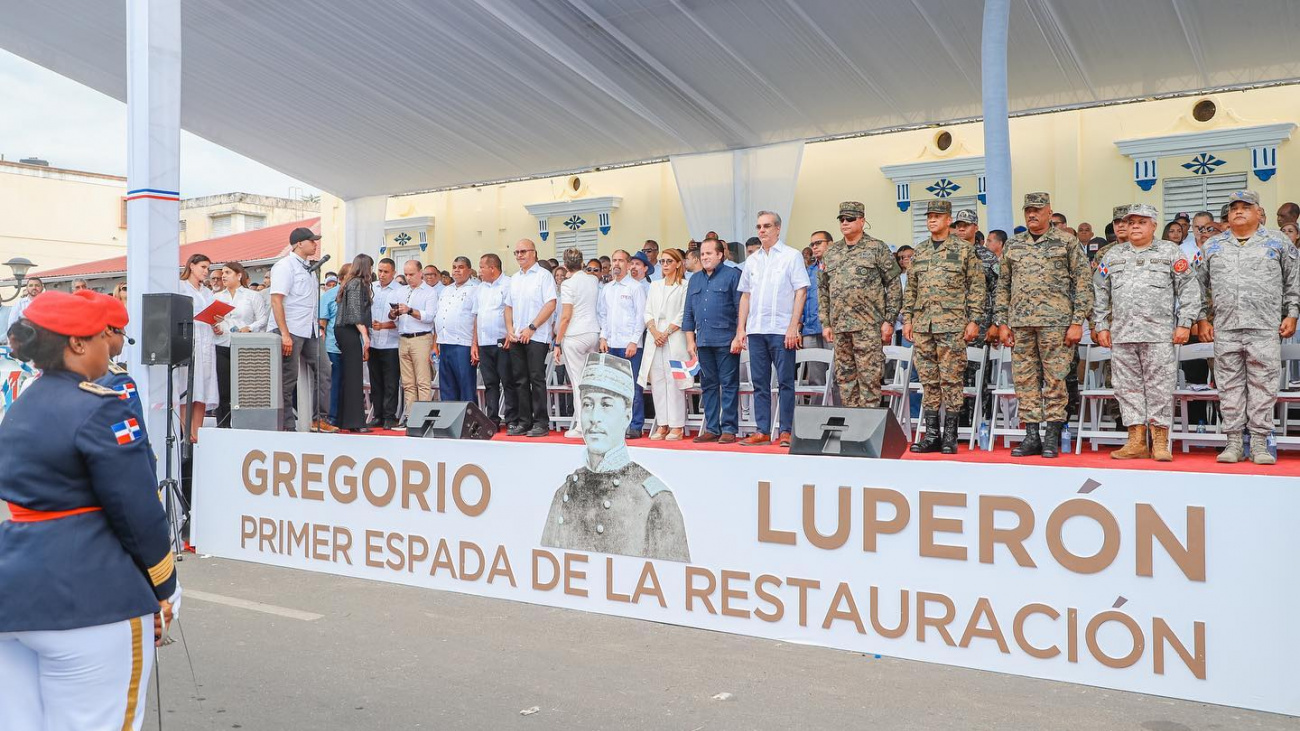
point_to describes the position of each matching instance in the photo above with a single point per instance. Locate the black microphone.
(316, 265)
(129, 339)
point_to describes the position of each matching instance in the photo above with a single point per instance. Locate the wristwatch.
(532, 327)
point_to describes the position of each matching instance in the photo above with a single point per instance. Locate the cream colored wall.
(1070, 154)
(197, 219)
(59, 218)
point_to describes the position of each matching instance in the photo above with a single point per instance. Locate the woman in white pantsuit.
(665, 342)
(578, 331)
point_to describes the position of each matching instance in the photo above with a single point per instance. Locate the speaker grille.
(255, 371)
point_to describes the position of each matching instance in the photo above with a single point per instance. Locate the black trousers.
(352, 396)
(498, 383)
(223, 387)
(528, 363)
(385, 382)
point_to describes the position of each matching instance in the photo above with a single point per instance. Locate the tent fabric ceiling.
(394, 96)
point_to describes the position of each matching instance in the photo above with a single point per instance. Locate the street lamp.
(19, 266)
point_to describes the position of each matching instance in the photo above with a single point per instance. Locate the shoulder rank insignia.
(116, 369)
(126, 431)
(99, 390)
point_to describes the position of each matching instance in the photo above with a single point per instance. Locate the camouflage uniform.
(1042, 290)
(934, 305)
(992, 265)
(1250, 286)
(1118, 213)
(1141, 295)
(858, 290)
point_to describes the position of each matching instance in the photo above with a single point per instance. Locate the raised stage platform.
(1173, 579)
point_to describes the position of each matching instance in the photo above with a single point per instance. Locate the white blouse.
(250, 312)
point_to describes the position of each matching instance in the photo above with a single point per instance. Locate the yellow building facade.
(1179, 155)
(57, 217)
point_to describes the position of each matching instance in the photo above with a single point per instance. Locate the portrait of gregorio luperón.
(612, 504)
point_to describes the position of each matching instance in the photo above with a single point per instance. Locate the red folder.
(217, 309)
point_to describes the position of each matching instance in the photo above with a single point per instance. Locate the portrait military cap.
(1119, 212)
(1143, 209)
(609, 373)
(852, 209)
(967, 215)
(1244, 196)
(1037, 200)
(939, 207)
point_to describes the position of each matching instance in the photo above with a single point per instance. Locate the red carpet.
(1197, 460)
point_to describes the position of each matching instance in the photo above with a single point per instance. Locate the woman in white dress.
(665, 341)
(249, 316)
(194, 278)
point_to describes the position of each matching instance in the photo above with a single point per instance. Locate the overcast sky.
(45, 115)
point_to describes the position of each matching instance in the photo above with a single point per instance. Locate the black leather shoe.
(392, 424)
(1031, 444)
(374, 424)
(932, 438)
(950, 434)
(538, 431)
(1052, 440)
(516, 431)
(633, 433)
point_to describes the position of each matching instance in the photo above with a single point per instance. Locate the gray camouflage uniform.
(1140, 296)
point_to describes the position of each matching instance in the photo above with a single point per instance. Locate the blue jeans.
(456, 380)
(336, 385)
(720, 376)
(638, 396)
(766, 351)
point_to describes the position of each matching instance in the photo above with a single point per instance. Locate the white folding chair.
(806, 393)
(555, 393)
(1005, 420)
(1288, 394)
(748, 424)
(1094, 391)
(979, 356)
(1186, 393)
(899, 387)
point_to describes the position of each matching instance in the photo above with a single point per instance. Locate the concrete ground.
(279, 649)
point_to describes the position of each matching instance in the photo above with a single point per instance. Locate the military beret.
(115, 314)
(608, 373)
(967, 215)
(1119, 212)
(1244, 196)
(1143, 209)
(1037, 200)
(939, 207)
(67, 314)
(853, 209)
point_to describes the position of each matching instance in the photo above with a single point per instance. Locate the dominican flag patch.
(1103, 270)
(126, 431)
(128, 391)
(684, 370)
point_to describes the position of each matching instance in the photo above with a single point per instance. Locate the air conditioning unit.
(256, 398)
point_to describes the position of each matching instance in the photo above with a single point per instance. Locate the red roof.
(265, 243)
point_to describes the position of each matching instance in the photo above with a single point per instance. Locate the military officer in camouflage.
(967, 225)
(942, 305)
(1146, 298)
(1044, 297)
(859, 291)
(1119, 223)
(613, 505)
(1251, 279)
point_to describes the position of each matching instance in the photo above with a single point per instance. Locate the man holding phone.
(383, 363)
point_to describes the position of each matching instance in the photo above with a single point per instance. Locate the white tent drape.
(363, 230)
(724, 191)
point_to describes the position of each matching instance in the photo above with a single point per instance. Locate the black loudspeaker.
(844, 432)
(449, 420)
(167, 331)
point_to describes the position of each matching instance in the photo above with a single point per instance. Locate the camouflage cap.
(853, 209)
(939, 207)
(1244, 196)
(1037, 200)
(609, 373)
(967, 215)
(1119, 212)
(1143, 209)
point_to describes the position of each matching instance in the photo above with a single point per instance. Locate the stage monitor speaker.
(166, 331)
(846, 432)
(449, 420)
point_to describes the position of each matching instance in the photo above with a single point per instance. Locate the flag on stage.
(684, 370)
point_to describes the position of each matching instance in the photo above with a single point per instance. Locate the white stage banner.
(1173, 584)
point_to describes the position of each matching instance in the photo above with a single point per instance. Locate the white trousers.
(87, 679)
(670, 401)
(574, 351)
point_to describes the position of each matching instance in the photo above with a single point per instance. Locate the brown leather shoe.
(326, 427)
(754, 439)
(705, 437)
(727, 439)
(784, 440)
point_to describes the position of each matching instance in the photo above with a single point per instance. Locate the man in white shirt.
(455, 328)
(640, 269)
(293, 305)
(34, 287)
(622, 325)
(489, 352)
(529, 304)
(773, 287)
(416, 307)
(385, 362)
(578, 332)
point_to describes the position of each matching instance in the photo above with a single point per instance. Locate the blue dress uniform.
(121, 381)
(85, 560)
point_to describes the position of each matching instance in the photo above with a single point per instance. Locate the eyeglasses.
(1206, 229)
(592, 270)
(666, 260)
(521, 252)
(842, 219)
(117, 331)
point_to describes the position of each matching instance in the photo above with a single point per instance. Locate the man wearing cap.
(640, 269)
(859, 289)
(1251, 278)
(967, 225)
(1119, 224)
(293, 306)
(1044, 297)
(612, 504)
(1146, 299)
(942, 306)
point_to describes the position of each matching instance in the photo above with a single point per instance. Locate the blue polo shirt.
(812, 324)
(712, 306)
(329, 311)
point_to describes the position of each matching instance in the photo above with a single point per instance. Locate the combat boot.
(1233, 452)
(1160, 444)
(950, 421)
(1259, 450)
(1052, 440)
(1030, 445)
(932, 436)
(1137, 445)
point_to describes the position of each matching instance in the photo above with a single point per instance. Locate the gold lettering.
(765, 532)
